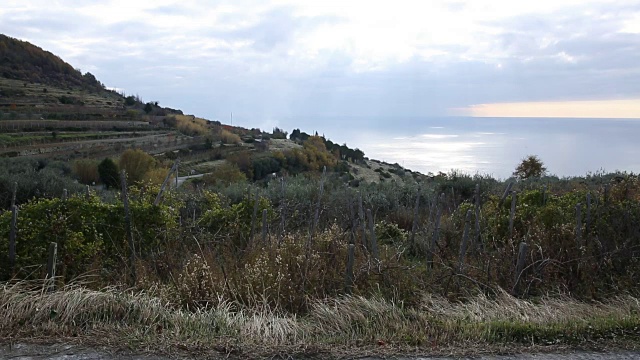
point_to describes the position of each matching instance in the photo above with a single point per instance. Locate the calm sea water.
(493, 146)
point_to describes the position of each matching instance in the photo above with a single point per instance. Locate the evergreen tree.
(108, 172)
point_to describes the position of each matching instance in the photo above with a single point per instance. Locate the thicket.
(34, 178)
(342, 152)
(287, 243)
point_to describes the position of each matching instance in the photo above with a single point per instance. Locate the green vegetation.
(109, 173)
(531, 166)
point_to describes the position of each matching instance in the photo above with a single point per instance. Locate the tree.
(130, 100)
(530, 167)
(136, 163)
(108, 172)
(148, 108)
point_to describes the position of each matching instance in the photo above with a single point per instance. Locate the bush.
(225, 174)
(228, 137)
(136, 163)
(109, 173)
(156, 176)
(86, 171)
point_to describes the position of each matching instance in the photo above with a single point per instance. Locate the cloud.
(287, 58)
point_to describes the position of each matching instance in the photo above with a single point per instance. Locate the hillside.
(26, 62)
(48, 109)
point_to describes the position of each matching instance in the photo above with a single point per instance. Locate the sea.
(488, 146)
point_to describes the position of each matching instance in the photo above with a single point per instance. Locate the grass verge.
(141, 321)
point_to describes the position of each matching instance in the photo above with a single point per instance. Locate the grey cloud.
(276, 27)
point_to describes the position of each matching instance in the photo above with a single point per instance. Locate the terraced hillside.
(48, 108)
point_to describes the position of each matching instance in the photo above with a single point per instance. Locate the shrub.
(156, 176)
(228, 137)
(136, 163)
(225, 174)
(86, 171)
(190, 125)
(108, 173)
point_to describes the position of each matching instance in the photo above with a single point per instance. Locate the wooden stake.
(316, 217)
(588, 217)
(512, 214)
(165, 182)
(13, 232)
(264, 226)
(374, 242)
(15, 193)
(579, 225)
(465, 240)
(51, 267)
(348, 286)
(506, 193)
(282, 210)
(478, 237)
(414, 226)
(127, 224)
(254, 216)
(363, 221)
(522, 256)
(436, 232)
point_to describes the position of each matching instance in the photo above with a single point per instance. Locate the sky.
(340, 66)
(271, 60)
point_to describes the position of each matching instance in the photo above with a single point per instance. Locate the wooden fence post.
(465, 239)
(127, 223)
(363, 221)
(478, 236)
(506, 193)
(588, 217)
(512, 213)
(12, 238)
(436, 231)
(177, 173)
(88, 189)
(264, 226)
(65, 194)
(51, 267)
(348, 286)
(165, 182)
(14, 194)
(352, 217)
(316, 217)
(254, 216)
(522, 256)
(282, 210)
(414, 226)
(372, 229)
(579, 225)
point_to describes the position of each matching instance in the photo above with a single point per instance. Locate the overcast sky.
(271, 60)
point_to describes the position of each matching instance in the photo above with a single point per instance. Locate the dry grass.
(191, 125)
(144, 321)
(228, 137)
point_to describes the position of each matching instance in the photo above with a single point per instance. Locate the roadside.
(68, 351)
